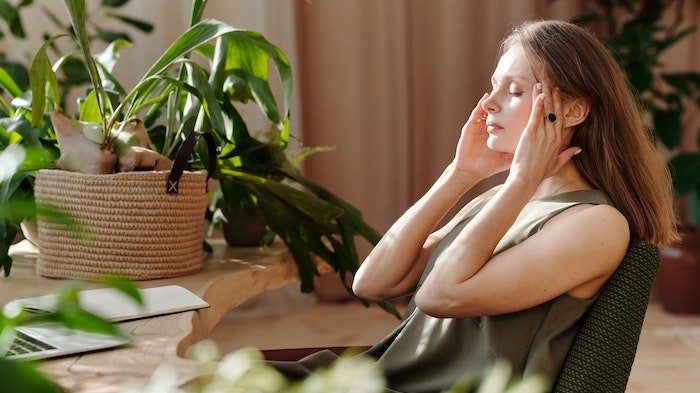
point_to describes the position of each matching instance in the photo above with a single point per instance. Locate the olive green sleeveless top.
(426, 354)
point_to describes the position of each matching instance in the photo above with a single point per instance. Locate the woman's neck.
(567, 179)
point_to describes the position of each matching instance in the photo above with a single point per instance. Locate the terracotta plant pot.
(678, 280)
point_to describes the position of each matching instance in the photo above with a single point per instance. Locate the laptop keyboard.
(25, 344)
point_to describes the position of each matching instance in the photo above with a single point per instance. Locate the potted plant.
(176, 97)
(639, 33)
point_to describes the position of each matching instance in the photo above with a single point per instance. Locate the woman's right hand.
(473, 157)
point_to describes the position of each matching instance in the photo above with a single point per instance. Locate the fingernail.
(577, 152)
(538, 86)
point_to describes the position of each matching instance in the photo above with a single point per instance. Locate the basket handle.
(183, 154)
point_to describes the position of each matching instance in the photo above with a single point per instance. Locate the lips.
(492, 126)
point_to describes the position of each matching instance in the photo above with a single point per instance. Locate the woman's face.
(510, 102)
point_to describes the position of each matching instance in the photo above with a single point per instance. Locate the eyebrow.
(511, 77)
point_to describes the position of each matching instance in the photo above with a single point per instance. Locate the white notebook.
(115, 306)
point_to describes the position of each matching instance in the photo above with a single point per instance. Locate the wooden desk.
(230, 276)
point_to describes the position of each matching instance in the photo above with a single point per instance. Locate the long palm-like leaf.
(40, 73)
(78, 15)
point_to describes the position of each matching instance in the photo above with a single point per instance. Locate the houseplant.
(639, 33)
(178, 96)
(108, 14)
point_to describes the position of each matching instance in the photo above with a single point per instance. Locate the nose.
(489, 104)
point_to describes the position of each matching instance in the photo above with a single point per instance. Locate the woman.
(511, 275)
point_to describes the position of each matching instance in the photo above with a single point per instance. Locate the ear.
(575, 112)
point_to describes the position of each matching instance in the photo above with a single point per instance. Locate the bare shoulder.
(601, 231)
(604, 218)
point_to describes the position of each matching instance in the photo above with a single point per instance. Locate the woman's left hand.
(539, 153)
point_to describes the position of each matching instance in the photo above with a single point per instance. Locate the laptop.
(51, 340)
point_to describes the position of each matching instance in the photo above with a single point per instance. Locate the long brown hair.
(619, 156)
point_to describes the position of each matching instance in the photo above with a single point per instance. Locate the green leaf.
(18, 72)
(206, 51)
(11, 16)
(682, 82)
(668, 126)
(114, 3)
(685, 170)
(640, 79)
(248, 53)
(89, 111)
(310, 205)
(586, 19)
(694, 208)
(109, 81)
(111, 36)
(75, 71)
(209, 103)
(108, 58)
(305, 152)
(41, 73)
(188, 41)
(24, 377)
(51, 213)
(139, 24)
(124, 286)
(238, 132)
(78, 15)
(196, 11)
(9, 84)
(7, 236)
(661, 46)
(198, 79)
(285, 223)
(21, 125)
(73, 316)
(196, 35)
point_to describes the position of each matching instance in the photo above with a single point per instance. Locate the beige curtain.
(391, 82)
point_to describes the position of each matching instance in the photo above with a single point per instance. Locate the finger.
(536, 91)
(556, 100)
(536, 113)
(478, 113)
(565, 157)
(548, 108)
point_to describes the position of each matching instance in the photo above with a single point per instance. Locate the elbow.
(365, 292)
(441, 303)
(433, 302)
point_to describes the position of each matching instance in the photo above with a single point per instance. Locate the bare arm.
(395, 265)
(575, 253)
(397, 262)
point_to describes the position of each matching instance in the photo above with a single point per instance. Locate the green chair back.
(601, 356)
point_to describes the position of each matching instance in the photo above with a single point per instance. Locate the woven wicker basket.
(134, 226)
